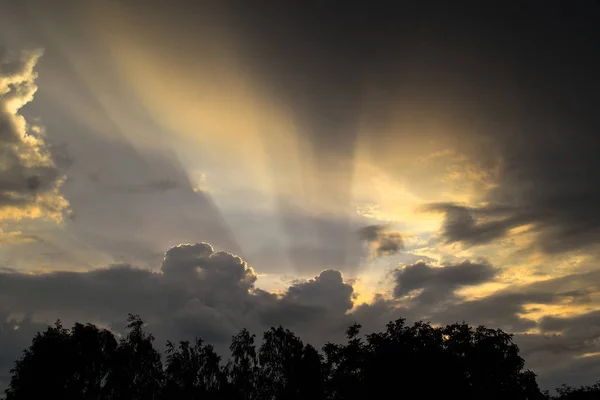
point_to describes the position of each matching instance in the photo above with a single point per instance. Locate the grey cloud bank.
(212, 294)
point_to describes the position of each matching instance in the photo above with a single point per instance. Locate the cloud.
(566, 349)
(554, 353)
(439, 283)
(587, 324)
(143, 199)
(557, 225)
(212, 294)
(507, 310)
(199, 291)
(14, 237)
(225, 271)
(476, 226)
(328, 289)
(503, 310)
(382, 241)
(29, 179)
(528, 107)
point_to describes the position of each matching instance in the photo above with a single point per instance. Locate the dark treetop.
(418, 361)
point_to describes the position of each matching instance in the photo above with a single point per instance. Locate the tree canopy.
(404, 361)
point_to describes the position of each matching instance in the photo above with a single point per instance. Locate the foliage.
(408, 361)
(582, 393)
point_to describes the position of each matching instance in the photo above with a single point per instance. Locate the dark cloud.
(506, 308)
(328, 289)
(383, 241)
(474, 226)
(184, 259)
(542, 130)
(574, 371)
(322, 301)
(549, 222)
(218, 270)
(500, 310)
(376, 314)
(554, 353)
(573, 335)
(566, 350)
(199, 291)
(439, 283)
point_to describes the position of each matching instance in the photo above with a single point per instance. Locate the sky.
(213, 166)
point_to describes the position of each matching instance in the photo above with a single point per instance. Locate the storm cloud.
(476, 226)
(199, 291)
(438, 283)
(212, 294)
(383, 242)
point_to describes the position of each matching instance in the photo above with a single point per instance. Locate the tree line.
(404, 362)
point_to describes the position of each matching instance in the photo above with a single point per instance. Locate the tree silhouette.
(70, 364)
(582, 393)
(345, 367)
(192, 371)
(311, 375)
(243, 369)
(403, 361)
(280, 359)
(136, 372)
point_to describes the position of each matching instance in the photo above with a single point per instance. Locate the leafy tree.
(280, 359)
(243, 369)
(582, 393)
(68, 364)
(413, 352)
(137, 370)
(345, 367)
(93, 353)
(311, 375)
(192, 371)
(403, 361)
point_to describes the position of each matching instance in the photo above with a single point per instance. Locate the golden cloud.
(29, 180)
